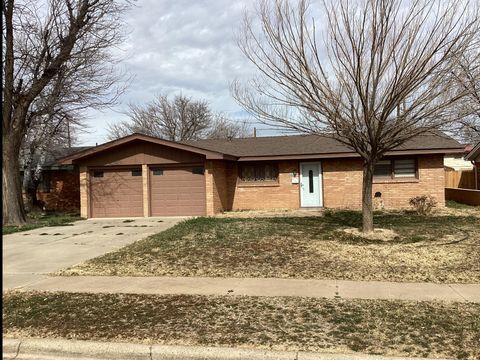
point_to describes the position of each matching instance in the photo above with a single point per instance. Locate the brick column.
(146, 192)
(84, 192)
(209, 185)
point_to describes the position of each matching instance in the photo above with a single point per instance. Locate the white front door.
(311, 185)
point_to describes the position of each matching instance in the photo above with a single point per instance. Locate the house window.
(137, 172)
(310, 181)
(404, 168)
(157, 171)
(98, 174)
(197, 170)
(396, 168)
(258, 172)
(44, 185)
(383, 168)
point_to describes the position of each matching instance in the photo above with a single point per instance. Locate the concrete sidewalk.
(54, 349)
(259, 287)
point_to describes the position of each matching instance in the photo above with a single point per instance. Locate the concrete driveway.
(29, 256)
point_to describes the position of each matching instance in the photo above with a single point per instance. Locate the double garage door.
(171, 191)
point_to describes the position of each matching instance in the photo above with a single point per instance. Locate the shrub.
(423, 204)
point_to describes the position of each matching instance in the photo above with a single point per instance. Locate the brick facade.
(342, 186)
(283, 195)
(216, 186)
(342, 183)
(64, 192)
(84, 192)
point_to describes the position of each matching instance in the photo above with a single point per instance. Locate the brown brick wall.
(84, 192)
(283, 195)
(342, 186)
(216, 186)
(342, 179)
(64, 192)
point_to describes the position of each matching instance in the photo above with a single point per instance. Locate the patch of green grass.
(404, 328)
(38, 220)
(432, 249)
(456, 205)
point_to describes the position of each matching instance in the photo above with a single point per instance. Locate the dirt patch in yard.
(403, 328)
(442, 249)
(377, 234)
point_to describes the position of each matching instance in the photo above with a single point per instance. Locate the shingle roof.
(55, 154)
(310, 144)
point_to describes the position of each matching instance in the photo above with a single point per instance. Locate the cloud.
(179, 46)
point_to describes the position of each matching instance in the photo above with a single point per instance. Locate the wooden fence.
(463, 196)
(464, 179)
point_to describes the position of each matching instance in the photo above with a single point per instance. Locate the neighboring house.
(140, 175)
(474, 157)
(59, 188)
(457, 162)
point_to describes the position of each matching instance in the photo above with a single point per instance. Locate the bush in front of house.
(423, 204)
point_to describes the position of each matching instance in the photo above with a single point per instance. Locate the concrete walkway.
(52, 349)
(259, 287)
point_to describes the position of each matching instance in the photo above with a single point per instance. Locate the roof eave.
(474, 153)
(348, 155)
(75, 158)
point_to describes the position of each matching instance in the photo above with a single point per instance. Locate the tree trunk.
(30, 186)
(13, 210)
(367, 202)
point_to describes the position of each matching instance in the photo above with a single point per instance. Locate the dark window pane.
(197, 170)
(137, 172)
(98, 174)
(404, 168)
(247, 173)
(258, 172)
(310, 181)
(382, 168)
(157, 171)
(44, 185)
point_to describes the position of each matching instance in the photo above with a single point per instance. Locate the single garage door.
(116, 193)
(177, 191)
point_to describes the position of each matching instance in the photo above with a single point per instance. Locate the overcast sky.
(179, 46)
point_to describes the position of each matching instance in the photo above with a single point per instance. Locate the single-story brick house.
(140, 175)
(474, 157)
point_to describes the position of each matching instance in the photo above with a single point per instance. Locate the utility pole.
(69, 139)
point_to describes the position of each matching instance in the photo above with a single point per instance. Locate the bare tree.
(467, 77)
(56, 115)
(222, 127)
(43, 43)
(179, 119)
(374, 82)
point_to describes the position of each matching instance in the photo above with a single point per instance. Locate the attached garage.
(177, 191)
(140, 175)
(116, 192)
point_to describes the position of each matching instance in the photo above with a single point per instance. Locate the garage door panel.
(116, 193)
(177, 192)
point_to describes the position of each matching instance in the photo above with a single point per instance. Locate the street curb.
(55, 349)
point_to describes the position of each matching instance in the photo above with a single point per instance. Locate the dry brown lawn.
(444, 248)
(401, 328)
